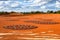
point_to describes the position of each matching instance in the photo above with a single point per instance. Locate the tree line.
(32, 12)
(41, 12)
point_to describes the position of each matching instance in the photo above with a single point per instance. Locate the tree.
(49, 11)
(58, 11)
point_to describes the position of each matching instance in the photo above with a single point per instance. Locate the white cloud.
(28, 0)
(26, 4)
(6, 5)
(1, 2)
(1, 5)
(7, 2)
(30, 3)
(57, 4)
(15, 4)
(43, 7)
(39, 2)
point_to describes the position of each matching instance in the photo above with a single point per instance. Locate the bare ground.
(48, 27)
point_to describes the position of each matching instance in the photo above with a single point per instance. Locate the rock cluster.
(20, 27)
(42, 22)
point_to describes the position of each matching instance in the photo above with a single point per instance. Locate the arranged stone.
(20, 27)
(42, 22)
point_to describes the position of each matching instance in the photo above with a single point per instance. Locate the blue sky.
(29, 5)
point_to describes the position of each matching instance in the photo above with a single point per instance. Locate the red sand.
(43, 29)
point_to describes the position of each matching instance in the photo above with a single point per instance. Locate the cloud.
(39, 2)
(1, 2)
(28, 0)
(27, 5)
(43, 7)
(58, 4)
(15, 4)
(7, 2)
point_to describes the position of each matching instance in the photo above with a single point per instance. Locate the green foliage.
(4, 13)
(58, 11)
(50, 11)
(32, 12)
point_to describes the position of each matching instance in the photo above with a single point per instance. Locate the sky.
(29, 5)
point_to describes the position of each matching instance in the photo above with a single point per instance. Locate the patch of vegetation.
(4, 13)
(32, 12)
(41, 12)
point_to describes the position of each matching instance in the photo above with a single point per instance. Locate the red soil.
(43, 29)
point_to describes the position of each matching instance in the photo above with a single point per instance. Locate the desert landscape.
(29, 19)
(30, 27)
